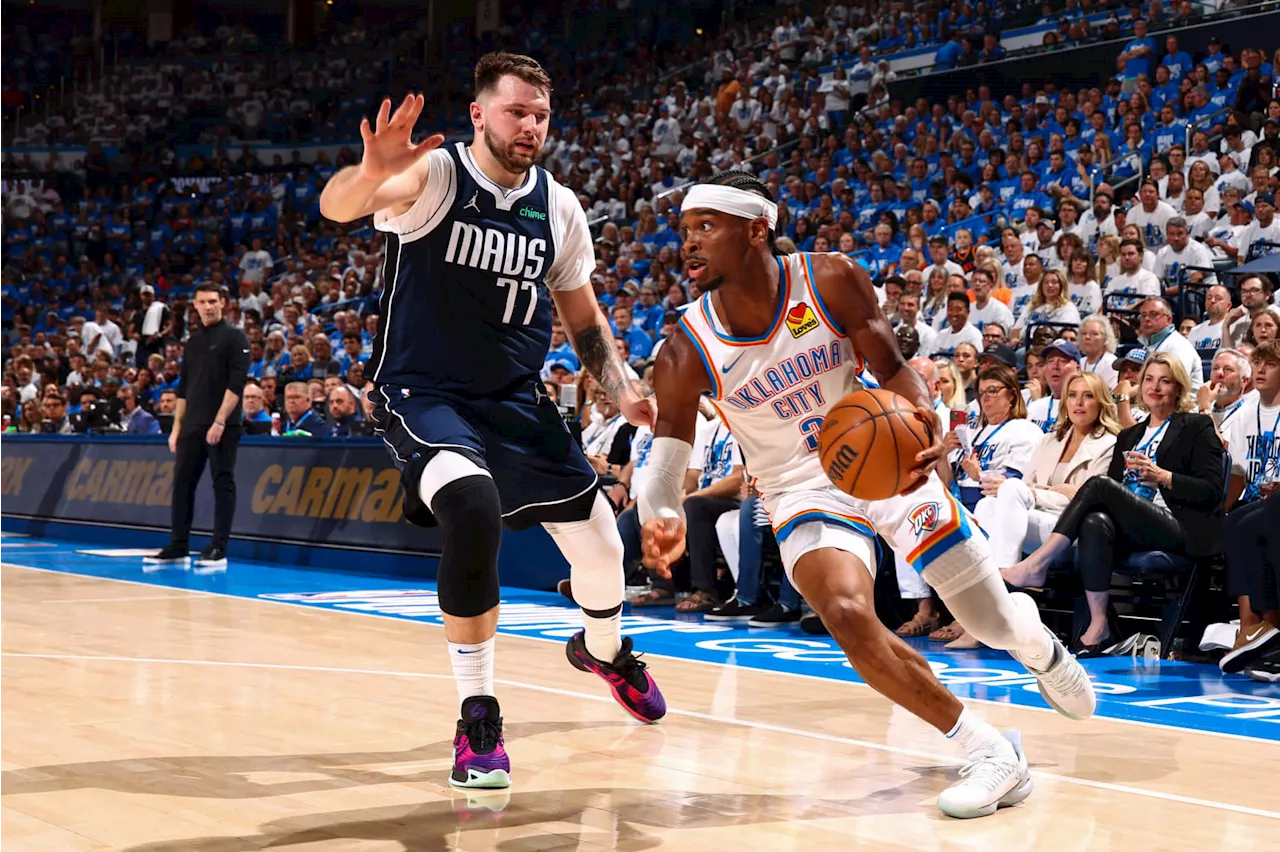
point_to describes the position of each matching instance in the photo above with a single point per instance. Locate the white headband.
(735, 202)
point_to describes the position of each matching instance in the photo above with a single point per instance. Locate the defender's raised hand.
(388, 144)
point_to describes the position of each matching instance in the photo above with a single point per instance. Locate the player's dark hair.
(750, 183)
(492, 67)
(958, 297)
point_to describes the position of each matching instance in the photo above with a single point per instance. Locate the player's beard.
(507, 156)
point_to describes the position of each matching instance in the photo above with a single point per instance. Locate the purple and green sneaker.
(632, 686)
(479, 758)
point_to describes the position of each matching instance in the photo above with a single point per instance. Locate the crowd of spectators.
(1011, 232)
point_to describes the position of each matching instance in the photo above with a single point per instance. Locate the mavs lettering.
(467, 308)
(494, 251)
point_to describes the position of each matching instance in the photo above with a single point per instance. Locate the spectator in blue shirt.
(1027, 196)
(949, 54)
(352, 351)
(1139, 56)
(1177, 60)
(624, 323)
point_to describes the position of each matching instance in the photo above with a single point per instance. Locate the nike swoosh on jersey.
(727, 367)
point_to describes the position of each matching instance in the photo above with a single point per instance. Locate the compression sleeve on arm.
(662, 495)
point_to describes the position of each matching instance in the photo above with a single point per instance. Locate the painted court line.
(706, 717)
(657, 656)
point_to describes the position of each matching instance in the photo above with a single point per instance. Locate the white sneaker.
(995, 780)
(1065, 685)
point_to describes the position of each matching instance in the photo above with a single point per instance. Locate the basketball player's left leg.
(941, 541)
(832, 565)
(544, 478)
(593, 548)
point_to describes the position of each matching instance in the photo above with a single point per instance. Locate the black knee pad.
(470, 517)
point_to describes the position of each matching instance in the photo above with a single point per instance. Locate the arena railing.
(1208, 14)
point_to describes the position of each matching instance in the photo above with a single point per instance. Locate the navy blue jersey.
(466, 306)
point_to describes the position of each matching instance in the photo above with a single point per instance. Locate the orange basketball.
(869, 442)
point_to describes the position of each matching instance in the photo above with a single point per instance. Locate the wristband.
(220, 423)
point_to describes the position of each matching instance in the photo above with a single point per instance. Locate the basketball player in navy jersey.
(480, 243)
(772, 388)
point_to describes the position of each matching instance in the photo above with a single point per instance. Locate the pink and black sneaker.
(632, 686)
(479, 758)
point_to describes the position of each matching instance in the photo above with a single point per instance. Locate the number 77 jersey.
(773, 391)
(467, 277)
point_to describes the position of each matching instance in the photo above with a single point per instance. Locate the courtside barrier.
(309, 502)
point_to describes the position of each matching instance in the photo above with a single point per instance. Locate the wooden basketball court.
(146, 718)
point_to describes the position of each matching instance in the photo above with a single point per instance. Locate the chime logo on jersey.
(924, 518)
(801, 320)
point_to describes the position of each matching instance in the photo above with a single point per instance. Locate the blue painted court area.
(1173, 694)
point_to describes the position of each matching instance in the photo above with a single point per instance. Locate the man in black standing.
(206, 427)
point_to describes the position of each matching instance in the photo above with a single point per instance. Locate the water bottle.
(275, 424)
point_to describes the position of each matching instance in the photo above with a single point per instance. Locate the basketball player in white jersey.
(774, 343)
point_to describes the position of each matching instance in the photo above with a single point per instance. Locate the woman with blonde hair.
(1050, 304)
(1200, 176)
(1108, 258)
(1019, 514)
(933, 304)
(950, 385)
(1163, 491)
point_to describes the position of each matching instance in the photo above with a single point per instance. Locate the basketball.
(869, 441)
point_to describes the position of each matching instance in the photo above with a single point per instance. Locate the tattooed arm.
(593, 341)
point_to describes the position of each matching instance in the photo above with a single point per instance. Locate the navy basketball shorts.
(541, 473)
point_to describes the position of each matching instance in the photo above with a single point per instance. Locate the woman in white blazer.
(1019, 514)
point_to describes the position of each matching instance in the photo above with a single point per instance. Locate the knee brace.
(470, 516)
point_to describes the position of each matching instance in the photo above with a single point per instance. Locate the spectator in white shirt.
(1133, 279)
(1208, 334)
(1158, 334)
(1098, 348)
(1051, 304)
(255, 263)
(1265, 229)
(985, 308)
(908, 316)
(938, 255)
(1151, 214)
(958, 329)
(1179, 252)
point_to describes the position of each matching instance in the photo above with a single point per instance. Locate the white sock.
(603, 636)
(977, 737)
(472, 668)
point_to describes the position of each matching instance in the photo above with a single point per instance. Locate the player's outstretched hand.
(639, 411)
(661, 544)
(388, 143)
(928, 457)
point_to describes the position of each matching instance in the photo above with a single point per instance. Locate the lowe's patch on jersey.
(801, 320)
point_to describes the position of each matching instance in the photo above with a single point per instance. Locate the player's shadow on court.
(628, 819)
(230, 777)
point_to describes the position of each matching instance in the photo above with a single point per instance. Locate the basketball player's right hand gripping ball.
(869, 441)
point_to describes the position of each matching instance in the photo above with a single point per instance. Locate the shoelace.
(1063, 676)
(483, 736)
(990, 773)
(632, 671)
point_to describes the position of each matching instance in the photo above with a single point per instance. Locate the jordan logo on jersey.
(801, 320)
(474, 203)
(924, 518)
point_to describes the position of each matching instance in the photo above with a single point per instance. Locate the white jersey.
(773, 391)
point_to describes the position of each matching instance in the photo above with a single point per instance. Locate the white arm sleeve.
(663, 493)
(575, 253)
